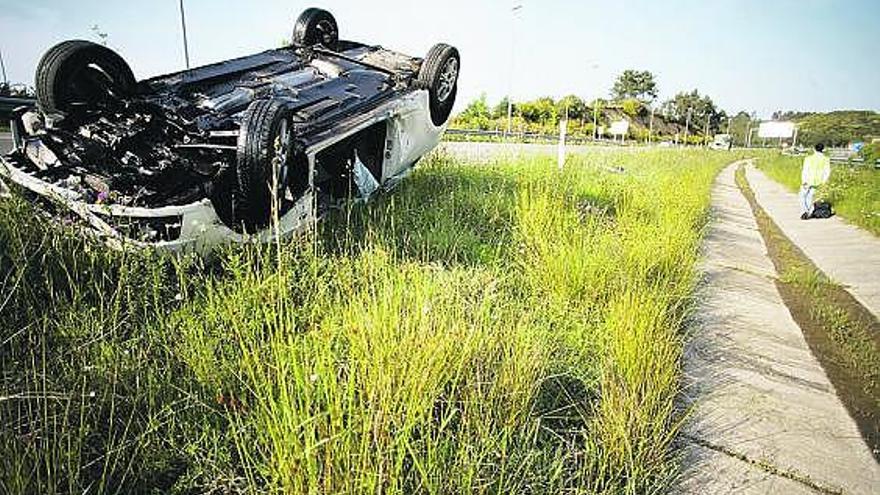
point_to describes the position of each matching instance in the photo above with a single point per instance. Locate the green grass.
(853, 190)
(503, 328)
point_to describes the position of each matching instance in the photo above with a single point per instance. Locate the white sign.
(784, 130)
(619, 128)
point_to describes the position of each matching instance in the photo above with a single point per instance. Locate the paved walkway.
(766, 419)
(847, 254)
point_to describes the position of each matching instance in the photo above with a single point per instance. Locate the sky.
(753, 55)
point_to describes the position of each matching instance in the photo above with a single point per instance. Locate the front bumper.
(192, 227)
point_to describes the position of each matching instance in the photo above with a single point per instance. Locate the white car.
(722, 142)
(253, 147)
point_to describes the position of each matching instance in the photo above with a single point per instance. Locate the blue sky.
(754, 55)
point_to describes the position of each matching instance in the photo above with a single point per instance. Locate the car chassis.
(254, 148)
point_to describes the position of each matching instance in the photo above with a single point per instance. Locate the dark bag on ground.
(822, 209)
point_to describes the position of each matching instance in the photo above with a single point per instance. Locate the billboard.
(619, 128)
(773, 129)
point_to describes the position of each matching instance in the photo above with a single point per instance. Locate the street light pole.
(183, 28)
(513, 12)
(748, 135)
(706, 131)
(687, 127)
(3, 69)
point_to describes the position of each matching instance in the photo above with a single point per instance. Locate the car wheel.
(316, 27)
(439, 75)
(80, 75)
(265, 153)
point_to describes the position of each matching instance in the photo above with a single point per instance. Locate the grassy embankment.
(853, 190)
(485, 329)
(842, 334)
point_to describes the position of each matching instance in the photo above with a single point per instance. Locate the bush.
(871, 152)
(631, 107)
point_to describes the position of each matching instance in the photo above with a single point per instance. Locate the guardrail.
(530, 137)
(8, 104)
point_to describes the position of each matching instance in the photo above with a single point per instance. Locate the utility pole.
(183, 28)
(513, 12)
(748, 136)
(3, 69)
(687, 127)
(651, 126)
(595, 119)
(706, 131)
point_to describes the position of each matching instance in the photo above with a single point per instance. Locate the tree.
(541, 111)
(500, 110)
(635, 84)
(476, 115)
(572, 106)
(698, 107)
(741, 125)
(478, 108)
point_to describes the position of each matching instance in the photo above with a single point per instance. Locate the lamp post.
(706, 131)
(3, 69)
(513, 11)
(687, 127)
(183, 28)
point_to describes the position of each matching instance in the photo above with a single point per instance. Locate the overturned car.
(254, 147)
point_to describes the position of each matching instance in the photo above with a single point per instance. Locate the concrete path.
(847, 254)
(766, 419)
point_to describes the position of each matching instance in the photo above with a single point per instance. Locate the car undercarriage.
(253, 138)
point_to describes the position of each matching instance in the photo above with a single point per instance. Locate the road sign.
(774, 129)
(619, 128)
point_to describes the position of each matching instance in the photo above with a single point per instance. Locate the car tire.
(77, 75)
(316, 27)
(439, 75)
(265, 152)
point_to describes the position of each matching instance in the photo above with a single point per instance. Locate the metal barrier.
(8, 104)
(528, 136)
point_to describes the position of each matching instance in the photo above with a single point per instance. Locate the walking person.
(816, 171)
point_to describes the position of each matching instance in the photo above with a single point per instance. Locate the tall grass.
(853, 190)
(504, 328)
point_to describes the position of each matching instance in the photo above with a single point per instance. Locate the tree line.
(688, 115)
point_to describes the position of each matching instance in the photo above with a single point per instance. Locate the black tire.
(316, 27)
(79, 75)
(258, 177)
(434, 75)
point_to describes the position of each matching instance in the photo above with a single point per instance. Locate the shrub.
(871, 152)
(631, 107)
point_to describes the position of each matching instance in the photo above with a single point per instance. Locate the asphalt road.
(5, 142)
(473, 151)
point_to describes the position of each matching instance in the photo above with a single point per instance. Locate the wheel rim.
(280, 153)
(326, 34)
(448, 76)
